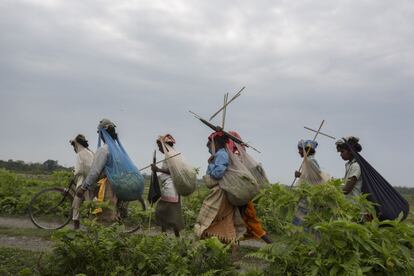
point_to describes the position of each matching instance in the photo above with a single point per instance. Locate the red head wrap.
(231, 146)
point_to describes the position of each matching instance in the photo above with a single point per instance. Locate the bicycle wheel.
(132, 214)
(51, 208)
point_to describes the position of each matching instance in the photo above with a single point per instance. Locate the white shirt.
(84, 159)
(353, 169)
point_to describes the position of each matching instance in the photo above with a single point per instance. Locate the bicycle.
(51, 209)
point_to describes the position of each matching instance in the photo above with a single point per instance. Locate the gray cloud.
(67, 64)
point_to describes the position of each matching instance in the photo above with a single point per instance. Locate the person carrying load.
(353, 176)
(362, 178)
(168, 212)
(248, 212)
(310, 174)
(118, 179)
(218, 217)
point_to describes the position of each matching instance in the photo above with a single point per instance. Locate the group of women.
(217, 217)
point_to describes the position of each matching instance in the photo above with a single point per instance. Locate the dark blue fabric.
(390, 203)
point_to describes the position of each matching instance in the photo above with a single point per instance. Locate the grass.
(15, 261)
(25, 232)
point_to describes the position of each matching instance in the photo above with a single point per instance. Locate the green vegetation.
(16, 191)
(106, 251)
(18, 262)
(338, 243)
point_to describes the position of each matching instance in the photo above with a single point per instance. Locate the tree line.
(20, 166)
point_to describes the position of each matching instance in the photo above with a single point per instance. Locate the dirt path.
(40, 244)
(28, 243)
(16, 222)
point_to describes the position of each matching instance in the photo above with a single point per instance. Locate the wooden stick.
(232, 99)
(217, 128)
(307, 152)
(146, 167)
(321, 133)
(226, 96)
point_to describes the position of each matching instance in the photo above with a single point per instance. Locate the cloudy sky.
(64, 65)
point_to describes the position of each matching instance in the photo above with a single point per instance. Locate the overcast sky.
(64, 65)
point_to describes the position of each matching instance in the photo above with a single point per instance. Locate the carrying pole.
(224, 110)
(217, 128)
(146, 167)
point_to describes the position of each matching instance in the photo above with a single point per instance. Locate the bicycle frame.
(67, 190)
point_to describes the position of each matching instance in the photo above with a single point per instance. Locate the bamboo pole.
(321, 133)
(232, 99)
(146, 167)
(223, 122)
(217, 128)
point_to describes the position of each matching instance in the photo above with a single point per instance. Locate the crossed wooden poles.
(218, 128)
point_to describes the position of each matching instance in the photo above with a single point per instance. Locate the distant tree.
(50, 165)
(20, 166)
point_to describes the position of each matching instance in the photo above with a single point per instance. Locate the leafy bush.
(191, 206)
(343, 248)
(277, 204)
(18, 262)
(107, 251)
(338, 244)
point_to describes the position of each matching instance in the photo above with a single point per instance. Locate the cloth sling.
(390, 204)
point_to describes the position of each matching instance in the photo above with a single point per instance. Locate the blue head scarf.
(307, 143)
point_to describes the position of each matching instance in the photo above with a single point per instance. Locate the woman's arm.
(218, 167)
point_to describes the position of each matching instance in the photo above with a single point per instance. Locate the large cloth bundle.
(239, 184)
(184, 176)
(311, 173)
(125, 178)
(390, 204)
(254, 167)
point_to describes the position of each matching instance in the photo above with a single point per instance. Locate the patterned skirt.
(169, 215)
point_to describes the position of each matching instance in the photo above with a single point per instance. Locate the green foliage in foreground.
(343, 248)
(338, 243)
(277, 204)
(18, 262)
(106, 251)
